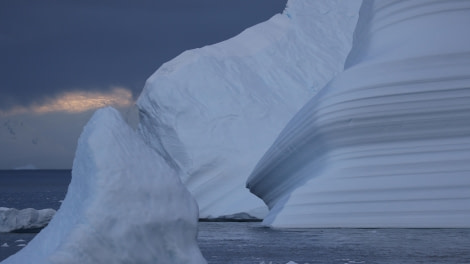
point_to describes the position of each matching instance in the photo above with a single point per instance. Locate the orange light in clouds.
(81, 101)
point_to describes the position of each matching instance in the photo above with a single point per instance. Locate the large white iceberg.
(387, 142)
(124, 205)
(29, 219)
(212, 112)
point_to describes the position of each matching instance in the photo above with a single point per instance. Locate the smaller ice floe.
(25, 220)
(291, 262)
(5, 245)
(349, 261)
(20, 241)
(21, 245)
(239, 217)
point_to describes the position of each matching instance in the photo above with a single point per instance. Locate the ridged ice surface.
(212, 112)
(387, 142)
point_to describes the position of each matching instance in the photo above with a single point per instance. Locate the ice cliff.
(212, 112)
(387, 142)
(124, 205)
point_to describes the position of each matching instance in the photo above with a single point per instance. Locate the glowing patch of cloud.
(78, 101)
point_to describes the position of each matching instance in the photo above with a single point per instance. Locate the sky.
(60, 60)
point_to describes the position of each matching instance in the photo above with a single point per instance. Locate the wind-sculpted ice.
(124, 205)
(29, 219)
(387, 142)
(212, 112)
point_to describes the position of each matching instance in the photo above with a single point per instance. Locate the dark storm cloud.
(49, 47)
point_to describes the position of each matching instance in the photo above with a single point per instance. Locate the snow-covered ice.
(212, 112)
(124, 205)
(387, 142)
(12, 219)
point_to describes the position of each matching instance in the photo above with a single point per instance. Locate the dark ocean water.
(37, 189)
(232, 242)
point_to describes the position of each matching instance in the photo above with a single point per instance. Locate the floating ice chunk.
(12, 219)
(4, 245)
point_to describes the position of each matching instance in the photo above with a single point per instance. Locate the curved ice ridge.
(124, 205)
(212, 112)
(14, 220)
(387, 142)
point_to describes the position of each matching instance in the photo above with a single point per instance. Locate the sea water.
(250, 242)
(37, 189)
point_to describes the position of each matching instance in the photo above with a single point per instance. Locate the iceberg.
(212, 112)
(24, 220)
(26, 167)
(124, 205)
(387, 142)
